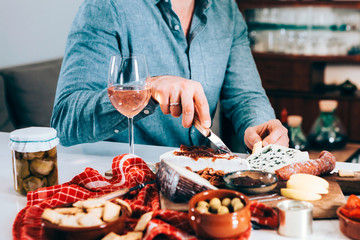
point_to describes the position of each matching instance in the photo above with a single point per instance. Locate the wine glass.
(128, 88)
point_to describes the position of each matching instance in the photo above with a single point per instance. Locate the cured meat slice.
(323, 165)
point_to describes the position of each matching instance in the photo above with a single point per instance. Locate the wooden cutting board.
(323, 209)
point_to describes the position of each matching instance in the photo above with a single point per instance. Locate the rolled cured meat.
(323, 165)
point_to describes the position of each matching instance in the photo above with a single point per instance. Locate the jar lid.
(33, 139)
(294, 120)
(328, 105)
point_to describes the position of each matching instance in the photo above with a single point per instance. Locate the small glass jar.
(327, 132)
(296, 135)
(34, 158)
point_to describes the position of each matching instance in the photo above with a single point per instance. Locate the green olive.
(226, 202)
(203, 204)
(238, 206)
(222, 210)
(202, 209)
(215, 203)
(234, 201)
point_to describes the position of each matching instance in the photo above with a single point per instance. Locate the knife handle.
(204, 131)
(115, 194)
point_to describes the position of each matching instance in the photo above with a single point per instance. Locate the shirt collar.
(204, 3)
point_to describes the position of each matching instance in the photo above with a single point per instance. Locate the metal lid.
(33, 139)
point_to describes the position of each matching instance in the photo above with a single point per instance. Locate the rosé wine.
(129, 100)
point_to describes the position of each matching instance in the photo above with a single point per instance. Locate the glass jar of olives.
(34, 158)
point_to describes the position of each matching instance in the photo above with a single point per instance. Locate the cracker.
(143, 221)
(52, 216)
(257, 146)
(128, 236)
(68, 210)
(131, 236)
(346, 173)
(70, 221)
(90, 203)
(112, 236)
(111, 211)
(125, 205)
(97, 212)
(88, 220)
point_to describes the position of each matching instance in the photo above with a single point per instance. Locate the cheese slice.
(273, 157)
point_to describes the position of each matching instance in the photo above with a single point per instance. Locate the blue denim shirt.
(216, 53)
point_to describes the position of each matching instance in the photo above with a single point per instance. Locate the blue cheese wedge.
(273, 157)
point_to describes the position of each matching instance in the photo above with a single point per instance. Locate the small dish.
(251, 181)
(348, 227)
(56, 232)
(223, 226)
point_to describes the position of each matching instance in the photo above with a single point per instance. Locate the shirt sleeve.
(242, 97)
(82, 110)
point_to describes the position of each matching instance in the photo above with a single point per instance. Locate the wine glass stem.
(131, 135)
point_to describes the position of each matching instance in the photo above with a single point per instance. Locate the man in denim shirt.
(197, 52)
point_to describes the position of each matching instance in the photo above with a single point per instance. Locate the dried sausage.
(324, 164)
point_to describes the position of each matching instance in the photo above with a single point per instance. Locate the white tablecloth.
(73, 160)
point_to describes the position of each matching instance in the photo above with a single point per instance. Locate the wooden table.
(350, 153)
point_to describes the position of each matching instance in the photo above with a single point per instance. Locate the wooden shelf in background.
(350, 151)
(251, 4)
(310, 58)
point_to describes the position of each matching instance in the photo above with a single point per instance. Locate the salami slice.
(324, 164)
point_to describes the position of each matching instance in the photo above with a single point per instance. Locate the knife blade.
(124, 191)
(211, 136)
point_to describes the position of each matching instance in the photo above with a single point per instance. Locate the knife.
(124, 191)
(211, 136)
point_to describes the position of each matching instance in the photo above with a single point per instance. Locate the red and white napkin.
(128, 171)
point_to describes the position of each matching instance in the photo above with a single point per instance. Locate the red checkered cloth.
(128, 171)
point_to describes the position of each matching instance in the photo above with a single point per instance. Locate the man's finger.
(274, 136)
(202, 108)
(283, 141)
(252, 137)
(187, 105)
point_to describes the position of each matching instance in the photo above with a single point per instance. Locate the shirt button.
(116, 131)
(146, 111)
(176, 27)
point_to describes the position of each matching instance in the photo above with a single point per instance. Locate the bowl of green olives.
(219, 214)
(251, 181)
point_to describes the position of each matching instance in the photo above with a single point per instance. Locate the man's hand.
(177, 96)
(270, 132)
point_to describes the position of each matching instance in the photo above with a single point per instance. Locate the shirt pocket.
(215, 55)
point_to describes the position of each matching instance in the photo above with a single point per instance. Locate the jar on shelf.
(296, 135)
(327, 132)
(34, 158)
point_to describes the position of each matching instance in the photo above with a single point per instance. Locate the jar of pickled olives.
(34, 158)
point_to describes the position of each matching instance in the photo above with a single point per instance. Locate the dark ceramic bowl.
(348, 227)
(214, 226)
(53, 231)
(251, 181)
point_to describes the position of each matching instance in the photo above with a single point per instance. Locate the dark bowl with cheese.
(251, 181)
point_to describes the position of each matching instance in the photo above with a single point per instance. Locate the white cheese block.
(273, 157)
(222, 162)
